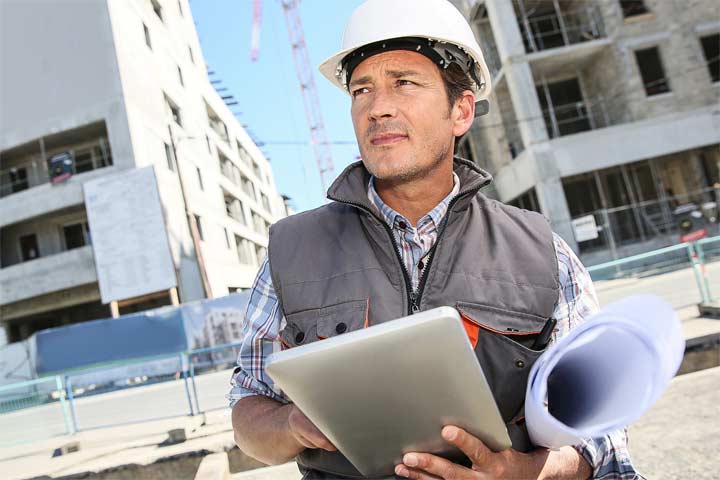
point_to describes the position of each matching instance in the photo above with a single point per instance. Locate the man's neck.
(414, 199)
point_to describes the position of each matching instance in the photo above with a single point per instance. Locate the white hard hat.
(451, 40)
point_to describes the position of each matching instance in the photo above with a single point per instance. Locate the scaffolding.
(558, 23)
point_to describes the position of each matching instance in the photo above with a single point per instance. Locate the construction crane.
(303, 66)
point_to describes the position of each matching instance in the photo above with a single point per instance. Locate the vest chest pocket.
(502, 340)
(315, 324)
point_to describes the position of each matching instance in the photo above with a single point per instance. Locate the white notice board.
(585, 228)
(129, 240)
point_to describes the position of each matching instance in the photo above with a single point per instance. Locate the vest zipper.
(414, 297)
(431, 255)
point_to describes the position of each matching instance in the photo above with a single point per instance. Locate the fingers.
(469, 444)
(424, 466)
(402, 471)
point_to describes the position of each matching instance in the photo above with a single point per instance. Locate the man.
(409, 230)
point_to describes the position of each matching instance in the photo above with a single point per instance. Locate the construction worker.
(408, 229)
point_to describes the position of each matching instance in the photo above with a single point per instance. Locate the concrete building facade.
(118, 85)
(602, 108)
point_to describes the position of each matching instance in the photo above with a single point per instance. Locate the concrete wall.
(47, 274)
(54, 78)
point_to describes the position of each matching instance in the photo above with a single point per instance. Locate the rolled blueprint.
(604, 374)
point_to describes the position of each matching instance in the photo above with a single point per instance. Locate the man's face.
(400, 112)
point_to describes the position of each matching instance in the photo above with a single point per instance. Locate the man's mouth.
(388, 139)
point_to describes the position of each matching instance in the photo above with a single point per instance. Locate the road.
(170, 398)
(679, 288)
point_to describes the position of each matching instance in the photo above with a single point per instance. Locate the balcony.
(48, 274)
(33, 174)
(566, 110)
(555, 24)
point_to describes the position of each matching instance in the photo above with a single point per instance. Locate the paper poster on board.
(129, 238)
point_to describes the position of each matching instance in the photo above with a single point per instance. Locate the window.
(200, 180)
(76, 235)
(157, 8)
(180, 76)
(29, 247)
(192, 57)
(265, 202)
(260, 253)
(261, 226)
(17, 179)
(256, 168)
(711, 49)
(173, 110)
(234, 208)
(227, 238)
(198, 224)
(229, 169)
(147, 37)
(90, 158)
(243, 250)
(216, 123)
(180, 9)
(169, 157)
(633, 8)
(247, 186)
(207, 139)
(652, 71)
(243, 154)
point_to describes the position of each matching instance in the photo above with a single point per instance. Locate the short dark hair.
(456, 82)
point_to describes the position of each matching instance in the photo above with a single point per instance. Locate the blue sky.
(268, 91)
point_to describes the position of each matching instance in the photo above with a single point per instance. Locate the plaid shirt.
(264, 320)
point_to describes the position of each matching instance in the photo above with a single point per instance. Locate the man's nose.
(383, 105)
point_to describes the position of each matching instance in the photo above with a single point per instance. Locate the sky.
(268, 90)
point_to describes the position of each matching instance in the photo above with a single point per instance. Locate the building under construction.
(605, 116)
(96, 89)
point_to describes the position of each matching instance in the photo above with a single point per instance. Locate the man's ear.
(463, 113)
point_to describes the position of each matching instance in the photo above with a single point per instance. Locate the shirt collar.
(392, 218)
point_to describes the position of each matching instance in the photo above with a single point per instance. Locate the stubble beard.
(409, 171)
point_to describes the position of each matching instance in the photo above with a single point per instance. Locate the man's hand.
(306, 433)
(541, 463)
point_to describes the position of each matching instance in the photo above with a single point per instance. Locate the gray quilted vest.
(337, 269)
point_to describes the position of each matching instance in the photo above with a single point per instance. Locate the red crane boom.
(303, 66)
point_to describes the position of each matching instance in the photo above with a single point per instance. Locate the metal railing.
(576, 117)
(561, 28)
(118, 393)
(650, 222)
(693, 257)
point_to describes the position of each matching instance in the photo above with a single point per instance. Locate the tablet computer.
(389, 389)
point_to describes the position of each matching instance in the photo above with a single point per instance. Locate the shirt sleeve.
(608, 456)
(260, 337)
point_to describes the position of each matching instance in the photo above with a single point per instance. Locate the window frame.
(21, 255)
(85, 228)
(701, 38)
(646, 50)
(158, 9)
(148, 37)
(624, 9)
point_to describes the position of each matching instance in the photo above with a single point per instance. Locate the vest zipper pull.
(413, 302)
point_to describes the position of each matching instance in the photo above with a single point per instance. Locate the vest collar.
(351, 186)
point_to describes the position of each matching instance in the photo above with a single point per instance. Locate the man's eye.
(405, 82)
(359, 91)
